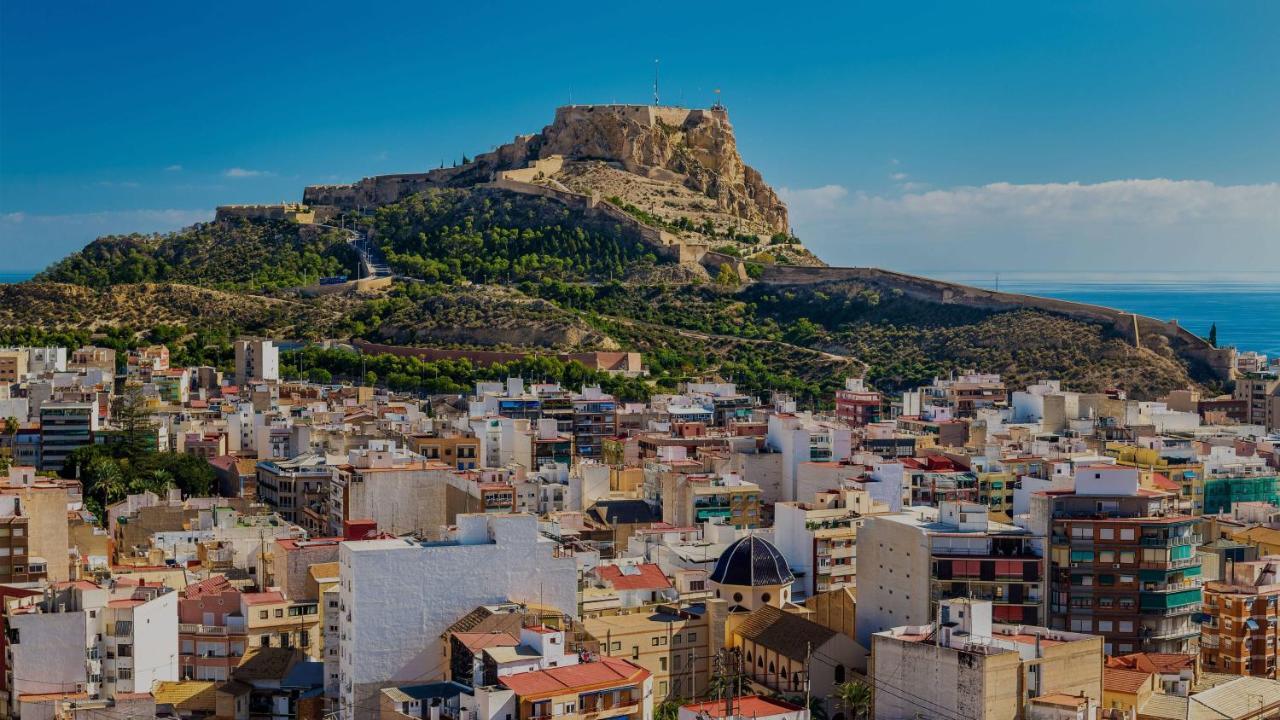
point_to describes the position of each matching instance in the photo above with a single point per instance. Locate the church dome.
(752, 562)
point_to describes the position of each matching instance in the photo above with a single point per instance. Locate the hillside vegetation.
(492, 236)
(244, 255)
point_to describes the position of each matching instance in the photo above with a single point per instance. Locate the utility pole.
(808, 656)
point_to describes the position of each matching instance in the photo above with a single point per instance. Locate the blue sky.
(918, 136)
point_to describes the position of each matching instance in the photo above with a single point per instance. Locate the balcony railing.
(1192, 539)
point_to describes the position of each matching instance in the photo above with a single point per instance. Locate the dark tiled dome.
(752, 561)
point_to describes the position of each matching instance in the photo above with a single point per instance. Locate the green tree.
(11, 427)
(667, 710)
(320, 375)
(1213, 334)
(854, 697)
(726, 276)
(137, 429)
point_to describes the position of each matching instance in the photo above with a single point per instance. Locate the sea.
(1245, 306)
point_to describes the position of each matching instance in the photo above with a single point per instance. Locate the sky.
(922, 136)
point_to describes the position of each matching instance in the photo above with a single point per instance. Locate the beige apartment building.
(272, 620)
(967, 667)
(671, 643)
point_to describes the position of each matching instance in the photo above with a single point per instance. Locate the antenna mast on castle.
(655, 81)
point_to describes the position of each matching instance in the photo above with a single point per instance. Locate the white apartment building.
(257, 361)
(100, 640)
(400, 490)
(819, 539)
(804, 438)
(398, 596)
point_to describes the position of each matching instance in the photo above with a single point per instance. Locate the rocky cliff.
(694, 148)
(688, 148)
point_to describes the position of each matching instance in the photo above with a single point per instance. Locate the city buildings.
(256, 361)
(1123, 561)
(966, 665)
(909, 562)
(819, 539)
(486, 559)
(1239, 618)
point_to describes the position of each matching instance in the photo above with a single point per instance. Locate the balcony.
(1170, 564)
(1192, 539)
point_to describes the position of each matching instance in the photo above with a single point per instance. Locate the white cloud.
(237, 172)
(825, 198)
(32, 241)
(1153, 223)
(173, 168)
(899, 176)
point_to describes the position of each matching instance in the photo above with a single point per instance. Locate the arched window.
(759, 661)
(839, 674)
(770, 668)
(749, 658)
(795, 681)
(717, 592)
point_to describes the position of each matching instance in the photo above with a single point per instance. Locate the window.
(263, 614)
(1106, 534)
(662, 664)
(126, 673)
(1081, 531)
(693, 637)
(124, 650)
(1126, 533)
(616, 646)
(1126, 626)
(1127, 556)
(1105, 626)
(266, 641)
(279, 612)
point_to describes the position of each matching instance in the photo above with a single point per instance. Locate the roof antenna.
(655, 81)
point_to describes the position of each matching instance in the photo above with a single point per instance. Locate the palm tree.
(667, 710)
(11, 427)
(855, 698)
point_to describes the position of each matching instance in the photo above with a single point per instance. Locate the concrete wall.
(893, 577)
(398, 597)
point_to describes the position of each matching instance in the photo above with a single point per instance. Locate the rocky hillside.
(232, 255)
(588, 236)
(695, 149)
(62, 307)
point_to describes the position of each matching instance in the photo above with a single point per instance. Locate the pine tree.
(1213, 334)
(137, 430)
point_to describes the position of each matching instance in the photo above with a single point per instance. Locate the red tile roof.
(1123, 681)
(608, 672)
(210, 586)
(1163, 482)
(754, 706)
(649, 577)
(262, 598)
(1165, 663)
